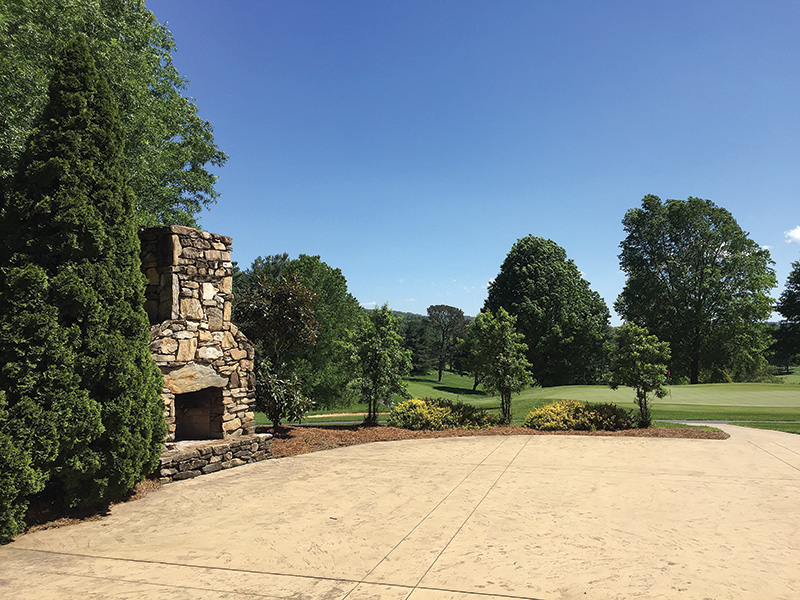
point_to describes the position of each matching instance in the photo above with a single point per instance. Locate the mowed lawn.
(719, 401)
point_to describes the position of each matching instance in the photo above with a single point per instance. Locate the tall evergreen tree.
(82, 392)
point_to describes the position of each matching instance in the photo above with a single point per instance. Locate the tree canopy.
(499, 356)
(81, 391)
(788, 306)
(448, 322)
(697, 281)
(381, 360)
(168, 148)
(324, 367)
(639, 360)
(564, 322)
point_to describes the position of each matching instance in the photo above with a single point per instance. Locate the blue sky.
(410, 144)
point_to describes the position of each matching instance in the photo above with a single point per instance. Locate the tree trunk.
(475, 384)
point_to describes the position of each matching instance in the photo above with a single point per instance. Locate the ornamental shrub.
(279, 397)
(438, 413)
(562, 415)
(417, 414)
(605, 416)
(466, 416)
(565, 415)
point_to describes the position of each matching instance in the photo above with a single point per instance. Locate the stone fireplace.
(207, 363)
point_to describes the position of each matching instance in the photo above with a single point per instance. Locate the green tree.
(788, 333)
(419, 338)
(279, 318)
(168, 148)
(323, 368)
(639, 360)
(382, 362)
(279, 397)
(448, 322)
(564, 322)
(500, 352)
(697, 281)
(82, 392)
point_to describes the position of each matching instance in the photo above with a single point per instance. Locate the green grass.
(719, 401)
(787, 427)
(723, 401)
(793, 377)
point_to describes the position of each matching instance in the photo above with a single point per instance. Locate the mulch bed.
(293, 441)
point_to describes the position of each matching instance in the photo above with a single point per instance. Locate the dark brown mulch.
(291, 441)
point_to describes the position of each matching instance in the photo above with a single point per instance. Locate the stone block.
(193, 377)
(234, 462)
(226, 285)
(191, 309)
(185, 475)
(231, 425)
(215, 320)
(238, 354)
(221, 449)
(211, 468)
(209, 353)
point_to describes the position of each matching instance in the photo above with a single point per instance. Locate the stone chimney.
(207, 363)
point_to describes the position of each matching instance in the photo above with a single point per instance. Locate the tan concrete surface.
(482, 518)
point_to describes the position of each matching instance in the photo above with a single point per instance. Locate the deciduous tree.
(168, 148)
(788, 334)
(500, 352)
(697, 281)
(639, 360)
(382, 362)
(448, 322)
(564, 322)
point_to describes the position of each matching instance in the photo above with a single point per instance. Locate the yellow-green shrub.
(558, 416)
(564, 415)
(439, 413)
(418, 414)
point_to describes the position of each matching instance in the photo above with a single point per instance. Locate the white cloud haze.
(793, 236)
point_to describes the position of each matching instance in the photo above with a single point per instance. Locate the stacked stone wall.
(188, 462)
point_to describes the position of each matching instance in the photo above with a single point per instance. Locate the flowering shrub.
(564, 415)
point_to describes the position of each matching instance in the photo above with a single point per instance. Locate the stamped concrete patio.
(455, 518)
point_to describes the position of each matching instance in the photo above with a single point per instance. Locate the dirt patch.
(292, 441)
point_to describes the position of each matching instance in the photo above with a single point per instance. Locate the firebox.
(198, 415)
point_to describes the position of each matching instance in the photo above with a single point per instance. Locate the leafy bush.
(606, 416)
(419, 414)
(437, 413)
(565, 415)
(280, 398)
(562, 415)
(466, 416)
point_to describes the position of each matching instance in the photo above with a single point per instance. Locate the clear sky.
(411, 143)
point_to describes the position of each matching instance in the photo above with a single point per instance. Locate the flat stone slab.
(515, 517)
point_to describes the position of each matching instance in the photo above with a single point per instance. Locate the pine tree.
(82, 391)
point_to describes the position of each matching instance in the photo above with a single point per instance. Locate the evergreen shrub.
(83, 414)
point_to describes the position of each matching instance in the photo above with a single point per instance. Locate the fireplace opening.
(198, 415)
